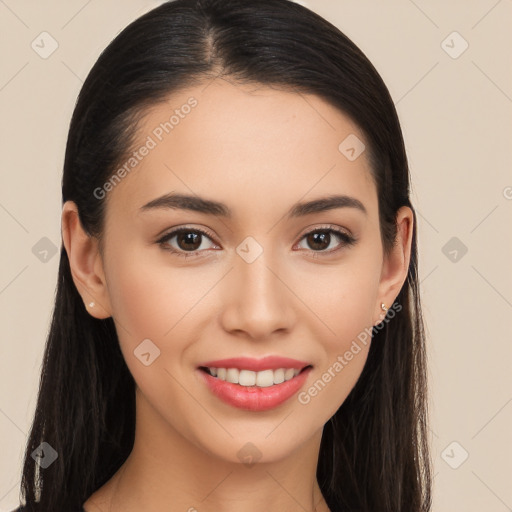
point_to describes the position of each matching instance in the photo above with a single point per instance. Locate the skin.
(259, 150)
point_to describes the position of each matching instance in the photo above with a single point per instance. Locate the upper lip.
(256, 365)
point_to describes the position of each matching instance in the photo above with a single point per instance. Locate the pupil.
(320, 240)
(189, 238)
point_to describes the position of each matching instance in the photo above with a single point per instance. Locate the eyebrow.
(210, 207)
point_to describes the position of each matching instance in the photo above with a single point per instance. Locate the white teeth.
(265, 378)
(278, 376)
(232, 375)
(246, 378)
(261, 379)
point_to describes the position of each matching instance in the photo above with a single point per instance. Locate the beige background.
(457, 123)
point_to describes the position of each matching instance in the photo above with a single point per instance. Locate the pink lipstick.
(254, 384)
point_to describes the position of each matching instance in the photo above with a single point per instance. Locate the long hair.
(374, 454)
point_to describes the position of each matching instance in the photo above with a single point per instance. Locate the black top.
(21, 509)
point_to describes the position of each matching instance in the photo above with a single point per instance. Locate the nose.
(256, 300)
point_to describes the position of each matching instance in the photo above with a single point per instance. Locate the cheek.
(156, 303)
(347, 311)
(148, 298)
(136, 301)
(169, 306)
(343, 302)
(332, 383)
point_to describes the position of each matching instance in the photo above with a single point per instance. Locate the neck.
(166, 468)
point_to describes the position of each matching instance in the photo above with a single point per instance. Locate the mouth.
(250, 378)
(255, 391)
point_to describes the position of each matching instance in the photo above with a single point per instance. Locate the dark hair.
(374, 453)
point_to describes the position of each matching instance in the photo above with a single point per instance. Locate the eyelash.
(347, 240)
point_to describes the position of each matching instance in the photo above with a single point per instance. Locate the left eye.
(189, 240)
(321, 239)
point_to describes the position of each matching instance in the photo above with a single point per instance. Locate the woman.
(237, 321)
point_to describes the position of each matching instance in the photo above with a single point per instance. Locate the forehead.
(232, 142)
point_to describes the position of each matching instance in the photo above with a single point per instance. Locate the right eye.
(189, 241)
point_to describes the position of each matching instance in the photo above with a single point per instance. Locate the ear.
(396, 264)
(85, 262)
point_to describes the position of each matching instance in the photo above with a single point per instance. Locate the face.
(254, 277)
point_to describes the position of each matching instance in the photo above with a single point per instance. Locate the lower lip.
(254, 398)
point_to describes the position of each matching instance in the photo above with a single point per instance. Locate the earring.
(91, 304)
(382, 315)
